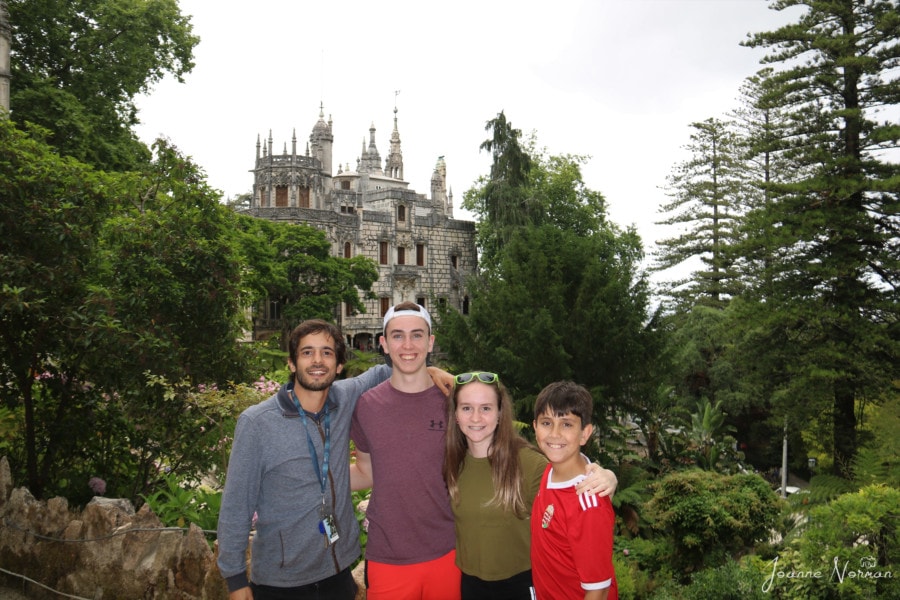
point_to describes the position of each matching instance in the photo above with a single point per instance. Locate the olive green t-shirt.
(493, 544)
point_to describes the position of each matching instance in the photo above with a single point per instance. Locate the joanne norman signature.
(867, 570)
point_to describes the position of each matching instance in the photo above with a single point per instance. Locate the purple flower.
(97, 485)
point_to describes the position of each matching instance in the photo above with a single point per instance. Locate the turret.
(371, 160)
(393, 165)
(321, 141)
(439, 185)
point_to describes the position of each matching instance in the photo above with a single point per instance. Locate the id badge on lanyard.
(327, 523)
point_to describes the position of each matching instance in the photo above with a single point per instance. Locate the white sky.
(618, 80)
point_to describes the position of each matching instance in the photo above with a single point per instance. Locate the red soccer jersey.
(571, 542)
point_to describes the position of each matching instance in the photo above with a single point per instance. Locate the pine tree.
(831, 269)
(503, 199)
(706, 192)
(764, 131)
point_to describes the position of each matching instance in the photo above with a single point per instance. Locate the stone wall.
(103, 552)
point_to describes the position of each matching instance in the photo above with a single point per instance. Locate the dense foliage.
(113, 285)
(707, 517)
(294, 268)
(559, 294)
(51, 212)
(78, 66)
(812, 188)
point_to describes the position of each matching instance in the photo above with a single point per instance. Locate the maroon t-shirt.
(410, 519)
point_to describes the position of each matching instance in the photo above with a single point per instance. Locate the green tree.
(749, 392)
(833, 280)
(118, 293)
(697, 347)
(293, 265)
(51, 214)
(656, 415)
(765, 133)
(502, 201)
(876, 462)
(77, 67)
(707, 194)
(560, 303)
(561, 198)
(173, 275)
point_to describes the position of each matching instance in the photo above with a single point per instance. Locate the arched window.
(401, 213)
(347, 253)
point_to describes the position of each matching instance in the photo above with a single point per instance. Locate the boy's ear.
(586, 433)
(382, 344)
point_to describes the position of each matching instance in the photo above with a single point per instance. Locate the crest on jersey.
(548, 516)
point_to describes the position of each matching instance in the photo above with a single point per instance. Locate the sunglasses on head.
(482, 376)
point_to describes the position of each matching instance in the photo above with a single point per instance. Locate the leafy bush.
(852, 546)
(731, 581)
(178, 506)
(707, 516)
(361, 497)
(626, 570)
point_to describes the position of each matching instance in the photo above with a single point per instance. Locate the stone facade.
(5, 73)
(423, 254)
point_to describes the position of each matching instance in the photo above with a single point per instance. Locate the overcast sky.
(618, 80)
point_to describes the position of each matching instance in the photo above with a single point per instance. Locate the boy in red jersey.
(571, 534)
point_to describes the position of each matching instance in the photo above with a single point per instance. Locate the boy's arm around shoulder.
(380, 373)
(361, 472)
(442, 379)
(368, 379)
(600, 481)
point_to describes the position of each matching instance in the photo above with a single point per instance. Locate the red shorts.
(436, 579)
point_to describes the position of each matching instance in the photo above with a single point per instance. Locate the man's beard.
(313, 386)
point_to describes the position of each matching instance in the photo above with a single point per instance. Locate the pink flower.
(97, 485)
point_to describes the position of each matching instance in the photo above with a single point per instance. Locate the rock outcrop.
(105, 551)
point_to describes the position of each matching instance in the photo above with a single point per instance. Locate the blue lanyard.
(323, 473)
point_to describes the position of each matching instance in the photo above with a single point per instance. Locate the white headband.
(407, 312)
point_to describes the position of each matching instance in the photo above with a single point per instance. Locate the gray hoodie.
(271, 473)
